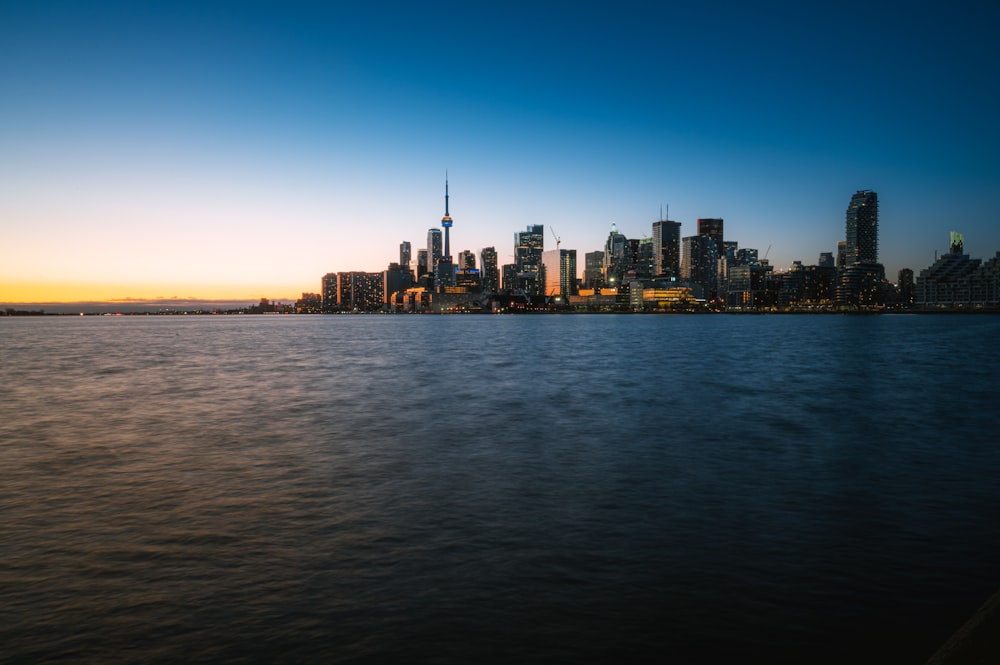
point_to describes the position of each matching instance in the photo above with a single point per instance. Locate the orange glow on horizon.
(12, 293)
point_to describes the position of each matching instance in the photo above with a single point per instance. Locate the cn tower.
(446, 223)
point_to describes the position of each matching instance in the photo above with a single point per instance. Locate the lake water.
(470, 489)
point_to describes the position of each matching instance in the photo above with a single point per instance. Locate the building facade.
(712, 227)
(667, 249)
(528, 247)
(560, 272)
(490, 269)
(700, 263)
(861, 243)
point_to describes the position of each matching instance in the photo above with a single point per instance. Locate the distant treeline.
(22, 312)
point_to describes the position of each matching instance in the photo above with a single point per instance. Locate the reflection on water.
(495, 489)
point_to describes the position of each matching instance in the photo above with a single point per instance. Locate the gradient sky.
(244, 149)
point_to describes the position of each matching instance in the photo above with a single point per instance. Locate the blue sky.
(244, 149)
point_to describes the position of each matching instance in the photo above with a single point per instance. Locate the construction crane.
(766, 253)
(558, 239)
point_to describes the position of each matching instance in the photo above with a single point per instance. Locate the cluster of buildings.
(661, 272)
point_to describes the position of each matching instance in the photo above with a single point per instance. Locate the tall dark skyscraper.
(446, 222)
(700, 263)
(667, 248)
(713, 229)
(862, 228)
(329, 291)
(528, 247)
(421, 262)
(593, 272)
(860, 282)
(490, 271)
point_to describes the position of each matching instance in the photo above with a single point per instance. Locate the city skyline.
(200, 151)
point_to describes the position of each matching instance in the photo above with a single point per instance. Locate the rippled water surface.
(506, 489)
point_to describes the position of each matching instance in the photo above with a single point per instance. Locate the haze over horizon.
(232, 151)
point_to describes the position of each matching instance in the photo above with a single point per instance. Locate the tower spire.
(446, 193)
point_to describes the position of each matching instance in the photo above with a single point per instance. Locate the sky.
(239, 150)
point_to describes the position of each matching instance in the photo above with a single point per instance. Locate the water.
(460, 489)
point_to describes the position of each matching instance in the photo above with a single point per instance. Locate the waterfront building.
(819, 285)
(434, 249)
(559, 272)
(404, 254)
(615, 261)
(731, 247)
(528, 247)
(510, 276)
(395, 278)
(593, 272)
(986, 283)
(666, 248)
(360, 291)
(468, 280)
(444, 273)
(421, 263)
(862, 279)
(309, 303)
(955, 280)
(861, 285)
(328, 289)
(699, 263)
(655, 295)
(712, 228)
(466, 260)
(862, 229)
(490, 271)
(746, 256)
(595, 300)
(904, 286)
(644, 258)
(747, 287)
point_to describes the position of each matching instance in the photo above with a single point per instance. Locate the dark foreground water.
(687, 489)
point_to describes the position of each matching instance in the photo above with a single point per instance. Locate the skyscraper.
(666, 248)
(712, 227)
(560, 272)
(466, 260)
(699, 263)
(862, 228)
(861, 281)
(905, 285)
(404, 254)
(421, 262)
(614, 256)
(593, 272)
(491, 273)
(433, 249)
(329, 291)
(528, 247)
